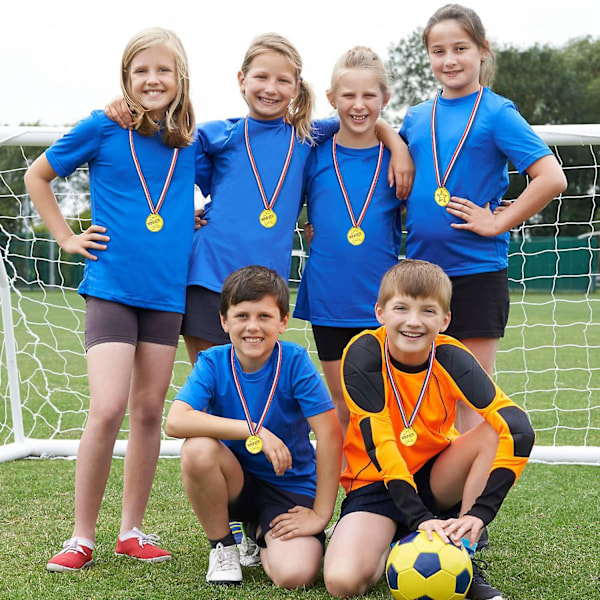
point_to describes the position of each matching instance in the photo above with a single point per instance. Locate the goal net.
(548, 362)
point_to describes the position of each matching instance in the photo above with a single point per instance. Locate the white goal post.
(548, 362)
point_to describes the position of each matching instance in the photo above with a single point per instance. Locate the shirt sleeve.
(199, 389)
(517, 139)
(324, 129)
(77, 147)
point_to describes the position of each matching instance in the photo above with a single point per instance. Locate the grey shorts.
(202, 318)
(107, 321)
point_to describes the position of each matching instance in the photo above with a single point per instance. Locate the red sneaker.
(141, 546)
(75, 555)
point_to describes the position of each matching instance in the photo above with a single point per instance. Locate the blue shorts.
(107, 321)
(375, 498)
(260, 502)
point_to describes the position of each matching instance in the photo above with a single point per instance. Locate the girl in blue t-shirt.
(461, 142)
(253, 170)
(137, 249)
(355, 216)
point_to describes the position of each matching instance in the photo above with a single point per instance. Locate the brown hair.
(417, 279)
(299, 112)
(252, 283)
(179, 127)
(469, 20)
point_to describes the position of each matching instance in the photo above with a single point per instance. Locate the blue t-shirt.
(138, 268)
(234, 237)
(340, 282)
(300, 393)
(480, 174)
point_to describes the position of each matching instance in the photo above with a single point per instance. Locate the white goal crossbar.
(544, 376)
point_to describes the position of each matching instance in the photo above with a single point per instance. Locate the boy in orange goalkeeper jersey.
(408, 467)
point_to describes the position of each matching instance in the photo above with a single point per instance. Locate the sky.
(60, 58)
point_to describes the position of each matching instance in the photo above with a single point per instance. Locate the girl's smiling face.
(269, 85)
(455, 58)
(154, 80)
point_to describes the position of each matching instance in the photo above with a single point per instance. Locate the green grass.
(544, 540)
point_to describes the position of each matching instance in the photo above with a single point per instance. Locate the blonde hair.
(360, 57)
(179, 126)
(299, 112)
(469, 20)
(416, 279)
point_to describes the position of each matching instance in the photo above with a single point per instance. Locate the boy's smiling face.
(412, 324)
(254, 327)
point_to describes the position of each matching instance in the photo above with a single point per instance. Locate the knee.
(342, 582)
(297, 578)
(198, 456)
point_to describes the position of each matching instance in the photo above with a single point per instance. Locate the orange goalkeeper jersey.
(372, 447)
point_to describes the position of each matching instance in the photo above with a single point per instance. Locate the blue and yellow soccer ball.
(419, 569)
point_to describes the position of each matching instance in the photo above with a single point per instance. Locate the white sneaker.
(224, 565)
(249, 552)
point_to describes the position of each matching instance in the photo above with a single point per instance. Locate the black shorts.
(375, 498)
(331, 341)
(480, 305)
(107, 321)
(260, 502)
(202, 318)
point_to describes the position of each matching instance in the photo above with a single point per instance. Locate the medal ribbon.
(255, 430)
(396, 391)
(269, 205)
(363, 212)
(153, 209)
(442, 182)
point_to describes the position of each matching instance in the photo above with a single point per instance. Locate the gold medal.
(154, 222)
(356, 236)
(254, 444)
(442, 196)
(408, 436)
(268, 218)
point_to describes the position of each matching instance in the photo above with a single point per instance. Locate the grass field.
(544, 542)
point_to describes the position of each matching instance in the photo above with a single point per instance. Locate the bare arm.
(183, 421)
(37, 180)
(402, 169)
(301, 521)
(547, 181)
(118, 110)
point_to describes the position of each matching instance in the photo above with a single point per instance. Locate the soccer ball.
(419, 569)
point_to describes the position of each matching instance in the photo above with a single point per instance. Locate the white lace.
(225, 558)
(72, 546)
(146, 538)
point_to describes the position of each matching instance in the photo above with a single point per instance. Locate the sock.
(228, 540)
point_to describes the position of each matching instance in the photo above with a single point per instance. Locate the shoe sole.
(223, 582)
(54, 568)
(157, 559)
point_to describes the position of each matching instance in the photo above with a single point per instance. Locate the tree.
(412, 80)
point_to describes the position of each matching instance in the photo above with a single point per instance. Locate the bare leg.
(151, 376)
(212, 476)
(194, 345)
(461, 471)
(292, 563)
(109, 370)
(356, 554)
(484, 350)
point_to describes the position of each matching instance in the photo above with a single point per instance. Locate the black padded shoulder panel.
(362, 374)
(468, 374)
